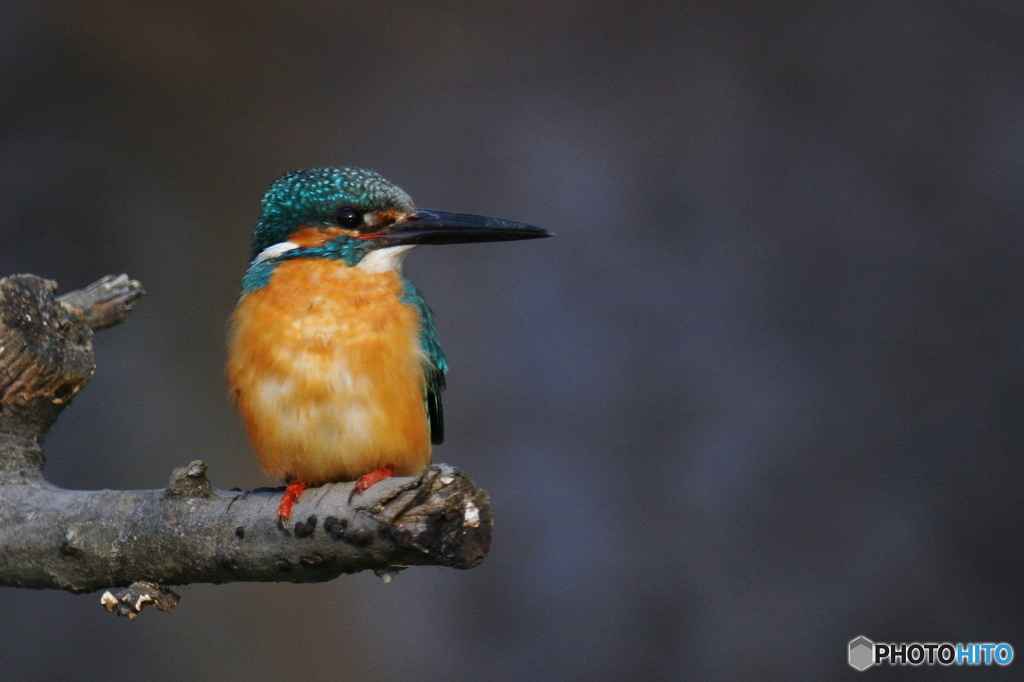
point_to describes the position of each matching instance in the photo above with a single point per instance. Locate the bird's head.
(349, 213)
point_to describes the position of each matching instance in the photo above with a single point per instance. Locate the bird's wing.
(435, 412)
(435, 365)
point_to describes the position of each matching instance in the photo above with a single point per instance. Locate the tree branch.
(189, 532)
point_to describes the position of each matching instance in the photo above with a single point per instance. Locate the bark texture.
(189, 532)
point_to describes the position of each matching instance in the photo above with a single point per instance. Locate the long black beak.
(441, 227)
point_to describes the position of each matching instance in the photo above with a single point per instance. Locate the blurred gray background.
(760, 395)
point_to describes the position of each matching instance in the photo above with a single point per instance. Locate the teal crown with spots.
(313, 197)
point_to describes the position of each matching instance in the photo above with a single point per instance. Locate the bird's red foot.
(291, 495)
(371, 479)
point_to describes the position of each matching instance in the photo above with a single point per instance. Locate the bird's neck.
(345, 253)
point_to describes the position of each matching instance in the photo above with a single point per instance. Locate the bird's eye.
(349, 218)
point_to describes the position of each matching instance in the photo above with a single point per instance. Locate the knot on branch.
(190, 481)
(130, 600)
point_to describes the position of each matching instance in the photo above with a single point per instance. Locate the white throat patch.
(274, 251)
(385, 259)
(376, 261)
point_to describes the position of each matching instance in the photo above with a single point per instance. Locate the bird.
(333, 358)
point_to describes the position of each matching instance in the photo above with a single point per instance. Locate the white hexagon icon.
(862, 653)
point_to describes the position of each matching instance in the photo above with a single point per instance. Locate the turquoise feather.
(437, 365)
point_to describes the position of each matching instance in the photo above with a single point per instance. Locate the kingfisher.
(333, 359)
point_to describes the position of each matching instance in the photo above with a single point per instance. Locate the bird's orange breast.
(326, 367)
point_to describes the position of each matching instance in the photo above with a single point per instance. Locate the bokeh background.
(760, 395)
